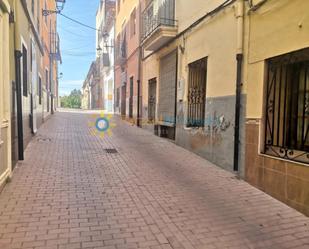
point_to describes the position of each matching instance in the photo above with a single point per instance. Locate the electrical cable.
(72, 33)
(78, 22)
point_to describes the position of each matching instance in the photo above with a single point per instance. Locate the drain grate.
(43, 139)
(111, 151)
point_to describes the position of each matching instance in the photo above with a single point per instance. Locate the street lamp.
(60, 76)
(60, 4)
(105, 38)
(59, 8)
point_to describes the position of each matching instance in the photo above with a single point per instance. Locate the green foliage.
(74, 100)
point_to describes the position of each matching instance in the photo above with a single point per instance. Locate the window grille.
(287, 107)
(197, 93)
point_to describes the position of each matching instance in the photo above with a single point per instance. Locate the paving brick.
(69, 194)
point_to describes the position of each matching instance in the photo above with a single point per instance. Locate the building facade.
(276, 82)
(220, 84)
(49, 69)
(128, 60)
(105, 21)
(92, 89)
(189, 94)
(21, 109)
(5, 87)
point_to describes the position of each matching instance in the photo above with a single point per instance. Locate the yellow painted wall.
(215, 39)
(5, 87)
(187, 12)
(278, 27)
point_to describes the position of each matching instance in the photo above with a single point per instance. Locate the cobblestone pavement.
(70, 193)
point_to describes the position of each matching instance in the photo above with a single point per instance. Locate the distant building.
(92, 98)
(127, 60)
(105, 20)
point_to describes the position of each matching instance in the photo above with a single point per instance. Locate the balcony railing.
(157, 14)
(121, 51)
(55, 46)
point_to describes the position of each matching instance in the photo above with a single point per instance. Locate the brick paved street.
(70, 193)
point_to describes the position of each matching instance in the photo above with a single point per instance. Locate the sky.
(77, 43)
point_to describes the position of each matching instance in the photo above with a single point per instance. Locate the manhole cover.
(44, 139)
(111, 151)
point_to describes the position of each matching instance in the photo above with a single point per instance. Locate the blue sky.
(77, 43)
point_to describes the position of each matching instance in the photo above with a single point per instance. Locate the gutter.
(139, 68)
(239, 59)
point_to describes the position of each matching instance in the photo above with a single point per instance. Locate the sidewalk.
(70, 193)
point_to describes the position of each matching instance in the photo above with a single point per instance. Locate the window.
(25, 71)
(118, 5)
(133, 23)
(287, 107)
(40, 90)
(197, 93)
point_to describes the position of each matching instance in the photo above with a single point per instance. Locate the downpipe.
(18, 55)
(239, 59)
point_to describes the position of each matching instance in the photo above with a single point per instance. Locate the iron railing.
(121, 50)
(287, 107)
(197, 93)
(55, 46)
(158, 13)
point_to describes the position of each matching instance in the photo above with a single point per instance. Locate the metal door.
(167, 89)
(131, 98)
(123, 100)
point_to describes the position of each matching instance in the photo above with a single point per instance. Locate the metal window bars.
(197, 93)
(158, 13)
(287, 107)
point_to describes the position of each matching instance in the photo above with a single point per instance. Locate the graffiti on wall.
(211, 134)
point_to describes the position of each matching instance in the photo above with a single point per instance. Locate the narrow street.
(71, 193)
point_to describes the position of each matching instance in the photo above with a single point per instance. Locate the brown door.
(152, 99)
(123, 100)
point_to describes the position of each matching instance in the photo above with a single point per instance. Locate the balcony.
(121, 51)
(159, 24)
(55, 47)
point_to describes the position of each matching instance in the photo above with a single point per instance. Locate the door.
(123, 100)
(167, 89)
(152, 99)
(131, 98)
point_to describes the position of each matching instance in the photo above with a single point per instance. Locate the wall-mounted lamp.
(59, 8)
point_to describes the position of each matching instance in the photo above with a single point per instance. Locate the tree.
(74, 100)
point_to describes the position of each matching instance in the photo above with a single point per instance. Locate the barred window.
(197, 93)
(287, 107)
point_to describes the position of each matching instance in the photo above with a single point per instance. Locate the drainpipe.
(239, 59)
(139, 67)
(20, 135)
(19, 110)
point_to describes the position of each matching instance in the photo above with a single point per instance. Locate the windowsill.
(283, 159)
